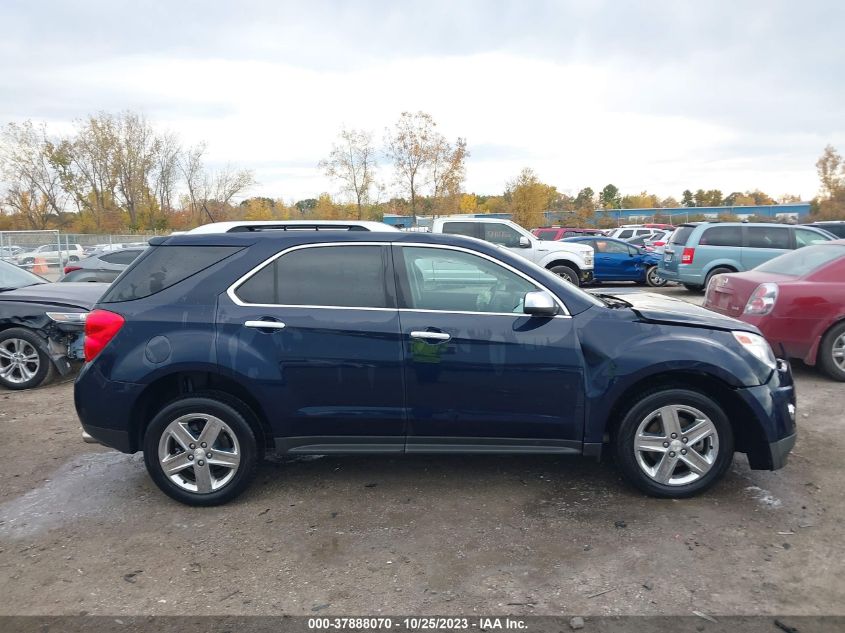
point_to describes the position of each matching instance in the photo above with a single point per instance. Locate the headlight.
(762, 300)
(757, 346)
(72, 318)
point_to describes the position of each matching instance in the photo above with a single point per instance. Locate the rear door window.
(165, 266)
(721, 236)
(768, 237)
(469, 229)
(626, 234)
(353, 276)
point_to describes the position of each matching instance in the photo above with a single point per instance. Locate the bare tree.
(353, 162)
(409, 146)
(190, 165)
(34, 183)
(134, 160)
(165, 171)
(447, 168)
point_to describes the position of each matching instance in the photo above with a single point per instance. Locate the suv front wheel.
(674, 443)
(201, 450)
(567, 273)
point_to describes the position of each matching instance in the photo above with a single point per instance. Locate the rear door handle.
(263, 325)
(433, 337)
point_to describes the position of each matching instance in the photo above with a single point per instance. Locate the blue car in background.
(616, 260)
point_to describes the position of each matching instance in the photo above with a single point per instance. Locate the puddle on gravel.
(87, 485)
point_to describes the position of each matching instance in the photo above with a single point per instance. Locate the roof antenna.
(208, 213)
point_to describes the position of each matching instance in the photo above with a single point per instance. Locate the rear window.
(721, 236)
(550, 234)
(162, 267)
(803, 261)
(122, 257)
(681, 235)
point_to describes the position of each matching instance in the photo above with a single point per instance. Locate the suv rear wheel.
(201, 450)
(674, 443)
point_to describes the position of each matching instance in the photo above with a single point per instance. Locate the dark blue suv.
(211, 350)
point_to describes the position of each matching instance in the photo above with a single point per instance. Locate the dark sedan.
(41, 325)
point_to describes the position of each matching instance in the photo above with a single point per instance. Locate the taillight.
(688, 255)
(100, 328)
(658, 243)
(762, 300)
(70, 269)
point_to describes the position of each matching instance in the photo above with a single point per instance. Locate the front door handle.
(431, 337)
(263, 325)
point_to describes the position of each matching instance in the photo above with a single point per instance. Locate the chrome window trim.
(230, 291)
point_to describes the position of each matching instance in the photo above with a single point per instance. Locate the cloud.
(660, 95)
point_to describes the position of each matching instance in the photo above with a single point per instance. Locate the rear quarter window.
(163, 267)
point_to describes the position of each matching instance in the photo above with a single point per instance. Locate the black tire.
(640, 410)
(73, 258)
(826, 359)
(27, 262)
(235, 415)
(567, 273)
(653, 279)
(719, 270)
(42, 375)
(693, 287)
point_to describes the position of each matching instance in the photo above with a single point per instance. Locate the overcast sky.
(651, 95)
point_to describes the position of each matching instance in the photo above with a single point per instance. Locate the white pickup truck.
(572, 261)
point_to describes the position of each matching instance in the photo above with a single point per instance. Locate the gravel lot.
(83, 530)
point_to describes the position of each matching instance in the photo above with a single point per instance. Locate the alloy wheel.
(199, 453)
(19, 360)
(838, 351)
(676, 445)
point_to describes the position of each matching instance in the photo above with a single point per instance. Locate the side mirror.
(539, 303)
(524, 242)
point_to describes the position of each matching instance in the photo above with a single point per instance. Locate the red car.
(797, 300)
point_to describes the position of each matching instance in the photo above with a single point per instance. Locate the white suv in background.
(50, 254)
(570, 260)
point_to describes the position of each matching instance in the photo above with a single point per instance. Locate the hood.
(662, 309)
(571, 247)
(78, 295)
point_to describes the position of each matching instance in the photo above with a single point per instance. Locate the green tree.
(609, 197)
(687, 198)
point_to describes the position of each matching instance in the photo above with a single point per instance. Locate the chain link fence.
(46, 253)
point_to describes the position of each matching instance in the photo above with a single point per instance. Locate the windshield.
(803, 261)
(12, 277)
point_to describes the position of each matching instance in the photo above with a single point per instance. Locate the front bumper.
(773, 405)
(780, 450)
